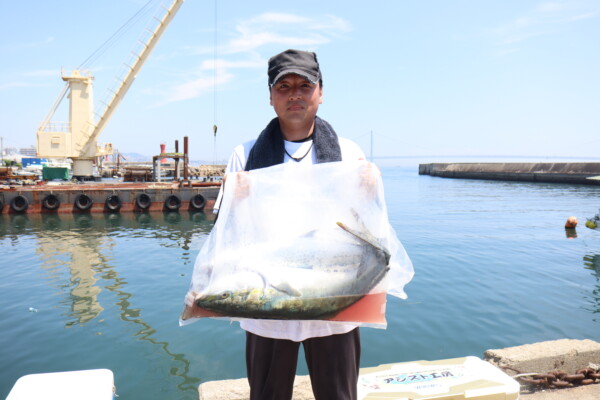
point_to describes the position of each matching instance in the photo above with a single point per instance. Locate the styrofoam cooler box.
(457, 378)
(93, 384)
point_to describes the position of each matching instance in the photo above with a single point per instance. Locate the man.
(297, 135)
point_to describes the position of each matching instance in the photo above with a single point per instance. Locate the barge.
(109, 197)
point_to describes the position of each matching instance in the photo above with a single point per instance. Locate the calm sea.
(494, 268)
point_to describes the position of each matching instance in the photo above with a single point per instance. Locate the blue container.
(25, 161)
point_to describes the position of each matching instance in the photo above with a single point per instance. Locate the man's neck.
(295, 133)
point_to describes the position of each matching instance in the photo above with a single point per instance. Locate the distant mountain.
(136, 157)
(205, 162)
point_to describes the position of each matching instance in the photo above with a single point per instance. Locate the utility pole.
(1, 151)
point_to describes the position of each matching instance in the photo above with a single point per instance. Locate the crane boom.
(77, 138)
(133, 70)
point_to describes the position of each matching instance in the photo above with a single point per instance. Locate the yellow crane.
(77, 138)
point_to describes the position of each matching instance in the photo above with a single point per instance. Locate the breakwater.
(581, 173)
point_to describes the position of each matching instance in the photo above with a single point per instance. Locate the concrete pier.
(543, 357)
(580, 173)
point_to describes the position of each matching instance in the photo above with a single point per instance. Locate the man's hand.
(189, 298)
(242, 189)
(369, 176)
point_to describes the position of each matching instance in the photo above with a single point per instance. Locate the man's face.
(295, 99)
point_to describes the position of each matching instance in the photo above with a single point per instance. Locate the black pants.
(333, 364)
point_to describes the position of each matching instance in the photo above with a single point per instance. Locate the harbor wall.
(580, 173)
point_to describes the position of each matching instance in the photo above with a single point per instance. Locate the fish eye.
(225, 295)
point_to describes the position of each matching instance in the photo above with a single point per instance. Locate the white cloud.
(580, 17)
(197, 87)
(227, 64)
(254, 40)
(270, 18)
(278, 29)
(550, 7)
(42, 73)
(284, 29)
(546, 18)
(248, 46)
(205, 83)
(207, 80)
(28, 45)
(17, 85)
(332, 25)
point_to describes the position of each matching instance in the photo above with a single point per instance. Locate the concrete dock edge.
(565, 354)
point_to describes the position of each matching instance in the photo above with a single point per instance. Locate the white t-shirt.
(292, 330)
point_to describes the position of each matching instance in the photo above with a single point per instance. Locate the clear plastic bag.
(300, 242)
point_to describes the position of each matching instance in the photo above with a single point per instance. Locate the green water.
(101, 291)
(494, 268)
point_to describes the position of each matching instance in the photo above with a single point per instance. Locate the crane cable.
(215, 87)
(115, 36)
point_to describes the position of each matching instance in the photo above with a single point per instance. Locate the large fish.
(294, 283)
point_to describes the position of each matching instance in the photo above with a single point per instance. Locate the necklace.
(298, 159)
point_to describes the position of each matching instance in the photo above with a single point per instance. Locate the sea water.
(494, 268)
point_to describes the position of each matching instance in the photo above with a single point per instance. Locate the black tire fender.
(143, 201)
(83, 202)
(198, 202)
(172, 203)
(51, 202)
(19, 203)
(113, 202)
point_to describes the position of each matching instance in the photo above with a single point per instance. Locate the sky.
(402, 78)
